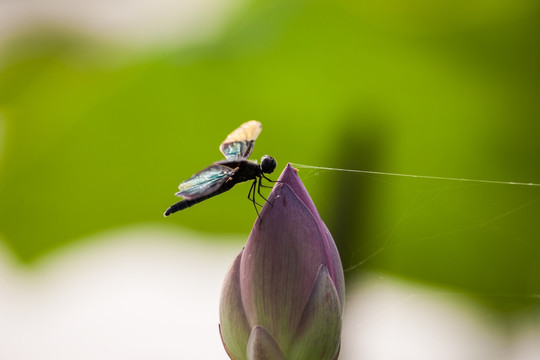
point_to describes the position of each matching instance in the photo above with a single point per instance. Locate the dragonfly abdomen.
(184, 204)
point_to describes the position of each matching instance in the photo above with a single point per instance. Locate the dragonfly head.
(268, 164)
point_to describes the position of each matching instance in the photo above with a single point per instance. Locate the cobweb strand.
(417, 176)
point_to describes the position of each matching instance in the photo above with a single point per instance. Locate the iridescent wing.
(204, 182)
(239, 144)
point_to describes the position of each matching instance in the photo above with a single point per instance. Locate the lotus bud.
(283, 296)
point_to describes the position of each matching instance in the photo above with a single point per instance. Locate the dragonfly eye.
(268, 164)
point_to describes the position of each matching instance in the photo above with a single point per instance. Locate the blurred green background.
(96, 136)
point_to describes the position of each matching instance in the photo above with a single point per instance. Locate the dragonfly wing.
(204, 182)
(239, 144)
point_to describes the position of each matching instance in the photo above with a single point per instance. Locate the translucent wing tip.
(247, 131)
(239, 144)
(253, 123)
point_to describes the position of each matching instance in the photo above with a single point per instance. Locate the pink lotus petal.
(234, 328)
(319, 332)
(262, 346)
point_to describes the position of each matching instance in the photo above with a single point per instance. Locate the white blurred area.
(389, 319)
(153, 293)
(139, 23)
(140, 293)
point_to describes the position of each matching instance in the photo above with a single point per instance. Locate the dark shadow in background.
(352, 197)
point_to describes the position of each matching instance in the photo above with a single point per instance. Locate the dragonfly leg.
(251, 189)
(251, 194)
(259, 191)
(273, 181)
(260, 182)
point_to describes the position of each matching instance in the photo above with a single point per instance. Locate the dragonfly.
(222, 175)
